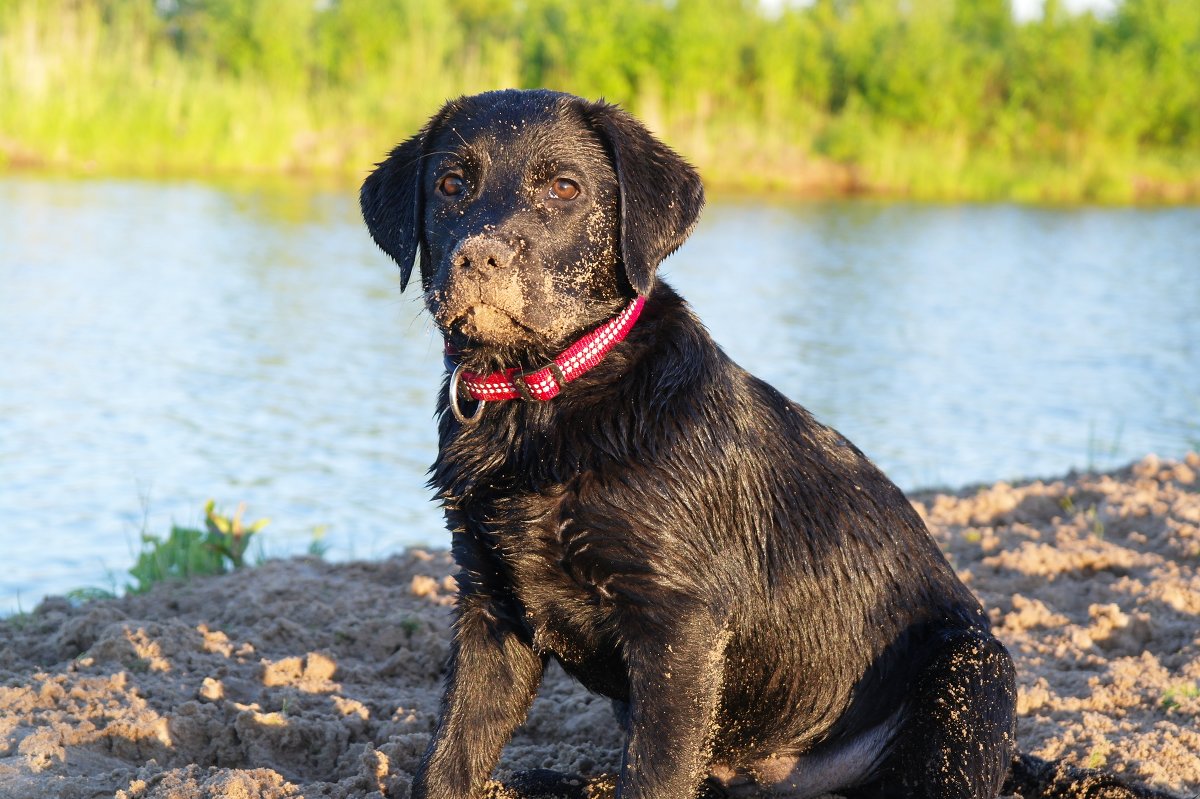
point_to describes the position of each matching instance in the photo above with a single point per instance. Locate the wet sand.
(303, 678)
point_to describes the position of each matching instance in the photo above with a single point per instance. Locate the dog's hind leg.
(958, 737)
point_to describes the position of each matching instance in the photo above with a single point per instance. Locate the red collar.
(545, 383)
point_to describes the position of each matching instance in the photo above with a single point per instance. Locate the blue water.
(164, 343)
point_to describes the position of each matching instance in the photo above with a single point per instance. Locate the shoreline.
(816, 180)
(305, 678)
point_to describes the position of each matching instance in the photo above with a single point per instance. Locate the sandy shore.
(303, 678)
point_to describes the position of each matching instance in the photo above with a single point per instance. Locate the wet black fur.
(682, 538)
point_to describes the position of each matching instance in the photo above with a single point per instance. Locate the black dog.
(765, 608)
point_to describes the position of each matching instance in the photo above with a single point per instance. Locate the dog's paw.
(541, 783)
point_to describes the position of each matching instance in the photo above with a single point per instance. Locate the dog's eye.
(564, 189)
(452, 185)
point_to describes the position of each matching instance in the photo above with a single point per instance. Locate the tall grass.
(926, 98)
(95, 87)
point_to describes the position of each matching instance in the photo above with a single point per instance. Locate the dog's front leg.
(492, 679)
(676, 668)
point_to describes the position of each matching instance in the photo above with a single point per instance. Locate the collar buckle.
(521, 382)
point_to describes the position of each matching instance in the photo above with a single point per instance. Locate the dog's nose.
(483, 252)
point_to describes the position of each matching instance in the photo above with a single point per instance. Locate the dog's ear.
(660, 193)
(391, 202)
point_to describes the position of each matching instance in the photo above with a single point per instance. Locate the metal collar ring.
(462, 418)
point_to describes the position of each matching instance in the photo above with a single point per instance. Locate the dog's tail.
(1033, 778)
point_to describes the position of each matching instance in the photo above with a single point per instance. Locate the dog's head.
(537, 215)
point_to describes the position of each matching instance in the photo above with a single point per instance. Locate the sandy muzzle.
(488, 308)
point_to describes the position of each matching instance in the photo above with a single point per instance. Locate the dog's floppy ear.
(660, 194)
(391, 201)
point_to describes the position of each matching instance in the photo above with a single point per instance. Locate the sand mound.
(302, 678)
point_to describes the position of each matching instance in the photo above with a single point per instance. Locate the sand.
(305, 678)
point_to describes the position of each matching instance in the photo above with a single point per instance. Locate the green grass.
(410, 625)
(1091, 515)
(1098, 448)
(318, 547)
(1098, 757)
(1172, 696)
(931, 99)
(19, 619)
(81, 596)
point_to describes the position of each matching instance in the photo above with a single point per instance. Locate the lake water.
(164, 343)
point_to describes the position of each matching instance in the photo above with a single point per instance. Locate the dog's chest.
(559, 556)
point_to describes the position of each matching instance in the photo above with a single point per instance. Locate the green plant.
(21, 618)
(228, 536)
(188, 552)
(81, 596)
(318, 546)
(1172, 696)
(1091, 515)
(1099, 449)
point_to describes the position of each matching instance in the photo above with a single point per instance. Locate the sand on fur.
(305, 678)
